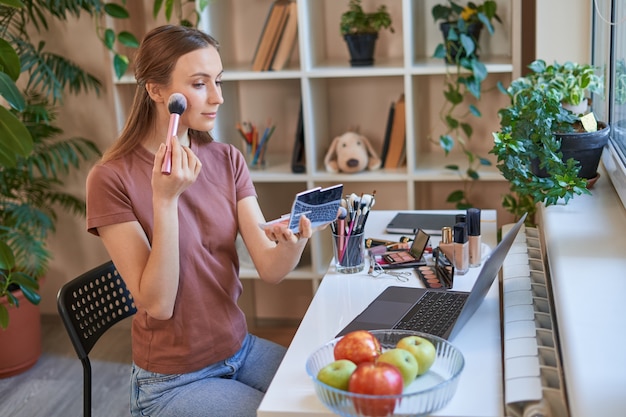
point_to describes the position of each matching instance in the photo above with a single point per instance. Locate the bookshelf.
(335, 96)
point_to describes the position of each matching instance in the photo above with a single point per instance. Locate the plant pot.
(585, 147)
(454, 48)
(20, 343)
(361, 47)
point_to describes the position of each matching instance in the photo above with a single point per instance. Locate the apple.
(358, 346)
(404, 361)
(337, 373)
(375, 378)
(423, 350)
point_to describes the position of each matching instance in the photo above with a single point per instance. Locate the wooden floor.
(53, 387)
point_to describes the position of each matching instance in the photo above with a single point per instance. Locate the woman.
(172, 237)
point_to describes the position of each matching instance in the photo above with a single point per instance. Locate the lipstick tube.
(473, 232)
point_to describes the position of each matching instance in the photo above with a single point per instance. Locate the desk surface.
(340, 298)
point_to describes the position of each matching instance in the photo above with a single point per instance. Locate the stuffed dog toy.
(351, 152)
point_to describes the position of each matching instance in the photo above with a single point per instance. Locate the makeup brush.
(176, 105)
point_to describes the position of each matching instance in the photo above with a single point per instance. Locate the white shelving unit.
(336, 97)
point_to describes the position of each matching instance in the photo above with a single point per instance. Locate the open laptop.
(414, 308)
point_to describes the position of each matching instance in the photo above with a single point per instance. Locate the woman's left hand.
(280, 232)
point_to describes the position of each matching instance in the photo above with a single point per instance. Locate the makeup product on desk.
(473, 233)
(437, 276)
(446, 244)
(347, 231)
(414, 256)
(461, 249)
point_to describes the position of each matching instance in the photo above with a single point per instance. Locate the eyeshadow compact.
(412, 257)
(437, 276)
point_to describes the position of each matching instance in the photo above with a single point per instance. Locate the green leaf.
(128, 39)
(446, 142)
(9, 60)
(440, 51)
(12, 3)
(455, 196)
(467, 129)
(4, 316)
(7, 260)
(169, 9)
(468, 44)
(11, 93)
(452, 122)
(156, 8)
(109, 39)
(120, 64)
(16, 139)
(474, 110)
(116, 11)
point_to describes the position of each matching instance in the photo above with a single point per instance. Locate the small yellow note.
(589, 122)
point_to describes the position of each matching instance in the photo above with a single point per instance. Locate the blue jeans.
(230, 388)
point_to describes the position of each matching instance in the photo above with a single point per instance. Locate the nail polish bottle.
(446, 243)
(461, 249)
(473, 232)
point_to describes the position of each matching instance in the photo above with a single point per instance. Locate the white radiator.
(533, 374)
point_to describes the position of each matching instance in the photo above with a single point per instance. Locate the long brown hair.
(156, 57)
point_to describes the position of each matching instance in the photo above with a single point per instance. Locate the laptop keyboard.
(435, 312)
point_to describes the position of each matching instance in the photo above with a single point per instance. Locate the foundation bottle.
(461, 249)
(473, 233)
(446, 243)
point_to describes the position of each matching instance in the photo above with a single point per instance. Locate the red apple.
(358, 346)
(378, 378)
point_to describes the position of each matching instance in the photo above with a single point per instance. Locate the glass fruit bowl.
(426, 394)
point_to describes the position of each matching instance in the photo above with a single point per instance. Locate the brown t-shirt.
(207, 325)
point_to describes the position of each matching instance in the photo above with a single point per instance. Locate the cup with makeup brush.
(349, 252)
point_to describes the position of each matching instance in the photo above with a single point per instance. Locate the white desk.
(341, 297)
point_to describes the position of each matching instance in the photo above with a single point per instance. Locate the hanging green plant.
(465, 73)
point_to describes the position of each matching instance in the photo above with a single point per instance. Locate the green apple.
(404, 361)
(422, 349)
(337, 373)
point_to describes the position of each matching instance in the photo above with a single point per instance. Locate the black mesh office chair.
(89, 305)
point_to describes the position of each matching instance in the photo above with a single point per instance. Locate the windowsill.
(586, 251)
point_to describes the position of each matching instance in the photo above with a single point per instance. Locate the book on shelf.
(272, 29)
(298, 161)
(287, 41)
(397, 138)
(385, 149)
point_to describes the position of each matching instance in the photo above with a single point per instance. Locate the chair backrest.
(93, 302)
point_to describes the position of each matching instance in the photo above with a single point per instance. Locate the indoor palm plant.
(461, 27)
(360, 31)
(535, 130)
(34, 159)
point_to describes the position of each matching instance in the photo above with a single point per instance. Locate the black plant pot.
(361, 47)
(454, 49)
(584, 147)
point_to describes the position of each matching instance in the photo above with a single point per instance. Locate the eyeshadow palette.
(437, 276)
(405, 258)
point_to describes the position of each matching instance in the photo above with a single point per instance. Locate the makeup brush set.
(350, 223)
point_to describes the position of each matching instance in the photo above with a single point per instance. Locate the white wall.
(563, 30)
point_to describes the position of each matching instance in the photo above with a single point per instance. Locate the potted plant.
(461, 27)
(465, 74)
(360, 31)
(543, 148)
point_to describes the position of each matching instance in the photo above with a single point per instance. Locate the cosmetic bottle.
(461, 249)
(446, 244)
(473, 233)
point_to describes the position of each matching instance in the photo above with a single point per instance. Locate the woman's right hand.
(185, 169)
